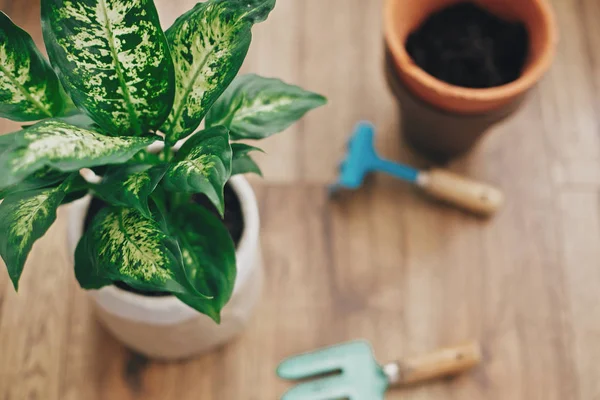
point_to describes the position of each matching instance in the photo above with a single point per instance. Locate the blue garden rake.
(362, 159)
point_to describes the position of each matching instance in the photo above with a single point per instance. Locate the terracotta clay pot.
(443, 120)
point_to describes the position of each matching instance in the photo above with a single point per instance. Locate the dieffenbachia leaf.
(123, 245)
(82, 121)
(29, 89)
(58, 145)
(254, 107)
(208, 257)
(241, 162)
(24, 218)
(146, 157)
(130, 186)
(43, 178)
(78, 188)
(208, 44)
(113, 59)
(202, 165)
(75, 195)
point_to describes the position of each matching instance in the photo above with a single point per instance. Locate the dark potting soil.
(466, 45)
(233, 220)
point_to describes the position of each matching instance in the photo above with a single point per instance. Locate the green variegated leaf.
(241, 162)
(29, 89)
(43, 178)
(113, 59)
(203, 165)
(24, 218)
(82, 121)
(245, 165)
(7, 142)
(130, 186)
(208, 44)
(75, 195)
(254, 107)
(87, 271)
(122, 245)
(58, 145)
(208, 257)
(78, 188)
(146, 157)
(256, 10)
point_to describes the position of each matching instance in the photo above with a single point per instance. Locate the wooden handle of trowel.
(476, 197)
(443, 363)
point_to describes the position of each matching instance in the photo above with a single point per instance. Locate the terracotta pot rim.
(410, 70)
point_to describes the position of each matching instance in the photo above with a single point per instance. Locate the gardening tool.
(358, 376)
(362, 159)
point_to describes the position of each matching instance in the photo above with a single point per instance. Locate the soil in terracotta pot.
(233, 220)
(465, 45)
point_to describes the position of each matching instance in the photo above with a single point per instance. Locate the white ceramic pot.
(164, 327)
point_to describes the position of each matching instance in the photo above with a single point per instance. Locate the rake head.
(351, 373)
(360, 159)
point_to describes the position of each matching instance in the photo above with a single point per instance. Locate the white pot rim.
(169, 309)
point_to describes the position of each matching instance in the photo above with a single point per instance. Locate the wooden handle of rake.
(443, 363)
(476, 197)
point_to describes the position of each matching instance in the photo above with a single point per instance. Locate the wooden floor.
(385, 264)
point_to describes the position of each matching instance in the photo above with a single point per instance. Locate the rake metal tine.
(320, 362)
(329, 388)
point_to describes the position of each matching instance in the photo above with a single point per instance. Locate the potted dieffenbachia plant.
(156, 239)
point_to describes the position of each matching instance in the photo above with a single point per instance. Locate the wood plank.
(33, 322)
(580, 235)
(571, 91)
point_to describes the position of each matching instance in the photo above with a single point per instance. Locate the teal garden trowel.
(350, 371)
(362, 159)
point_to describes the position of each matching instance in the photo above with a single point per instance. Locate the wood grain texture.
(384, 264)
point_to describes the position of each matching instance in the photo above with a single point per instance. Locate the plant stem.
(167, 151)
